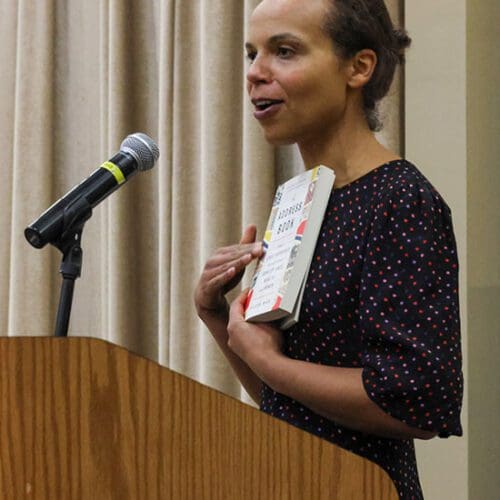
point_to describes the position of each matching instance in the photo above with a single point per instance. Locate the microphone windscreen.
(142, 148)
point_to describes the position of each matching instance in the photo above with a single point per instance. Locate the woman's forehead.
(304, 18)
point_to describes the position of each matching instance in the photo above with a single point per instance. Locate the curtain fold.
(8, 63)
(77, 78)
(32, 157)
(166, 59)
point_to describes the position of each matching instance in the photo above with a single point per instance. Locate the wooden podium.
(84, 419)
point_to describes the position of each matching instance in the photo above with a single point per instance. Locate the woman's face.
(297, 84)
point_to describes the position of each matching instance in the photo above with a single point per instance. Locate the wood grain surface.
(84, 419)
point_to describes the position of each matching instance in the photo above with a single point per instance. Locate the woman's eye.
(285, 52)
(251, 56)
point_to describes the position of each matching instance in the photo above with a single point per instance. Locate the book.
(290, 239)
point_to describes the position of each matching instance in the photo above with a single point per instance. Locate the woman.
(374, 361)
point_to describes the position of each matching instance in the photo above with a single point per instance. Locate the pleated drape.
(77, 77)
(28, 146)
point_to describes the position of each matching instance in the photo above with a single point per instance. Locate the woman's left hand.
(258, 344)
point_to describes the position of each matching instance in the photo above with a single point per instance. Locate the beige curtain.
(77, 77)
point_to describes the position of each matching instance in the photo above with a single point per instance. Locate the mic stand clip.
(75, 216)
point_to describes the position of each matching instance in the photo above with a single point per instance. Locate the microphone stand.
(75, 216)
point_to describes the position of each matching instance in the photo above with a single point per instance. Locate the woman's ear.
(361, 68)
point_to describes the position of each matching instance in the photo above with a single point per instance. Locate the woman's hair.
(354, 25)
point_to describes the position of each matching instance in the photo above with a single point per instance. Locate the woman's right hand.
(223, 271)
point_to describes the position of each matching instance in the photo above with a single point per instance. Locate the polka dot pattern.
(382, 295)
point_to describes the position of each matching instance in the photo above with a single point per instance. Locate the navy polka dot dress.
(382, 295)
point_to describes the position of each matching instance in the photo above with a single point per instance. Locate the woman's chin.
(276, 139)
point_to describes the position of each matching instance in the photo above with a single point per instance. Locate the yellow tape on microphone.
(117, 173)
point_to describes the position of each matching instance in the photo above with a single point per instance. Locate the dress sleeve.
(409, 312)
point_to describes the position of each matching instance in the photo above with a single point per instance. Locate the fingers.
(221, 262)
(237, 309)
(233, 253)
(249, 234)
(240, 301)
(222, 274)
(224, 270)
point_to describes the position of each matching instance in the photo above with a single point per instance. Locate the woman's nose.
(259, 71)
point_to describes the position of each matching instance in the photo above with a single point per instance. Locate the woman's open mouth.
(265, 108)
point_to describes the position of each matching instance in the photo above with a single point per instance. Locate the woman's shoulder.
(401, 182)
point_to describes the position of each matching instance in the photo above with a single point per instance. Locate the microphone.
(137, 152)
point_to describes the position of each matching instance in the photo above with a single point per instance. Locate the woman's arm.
(217, 324)
(335, 393)
(222, 272)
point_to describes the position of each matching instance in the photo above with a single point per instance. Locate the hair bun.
(401, 42)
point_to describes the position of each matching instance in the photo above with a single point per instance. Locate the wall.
(436, 140)
(452, 132)
(483, 243)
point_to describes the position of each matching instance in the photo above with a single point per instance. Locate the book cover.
(290, 239)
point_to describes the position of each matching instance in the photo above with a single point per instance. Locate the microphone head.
(142, 148)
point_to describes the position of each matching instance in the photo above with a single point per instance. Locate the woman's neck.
(351, 152)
